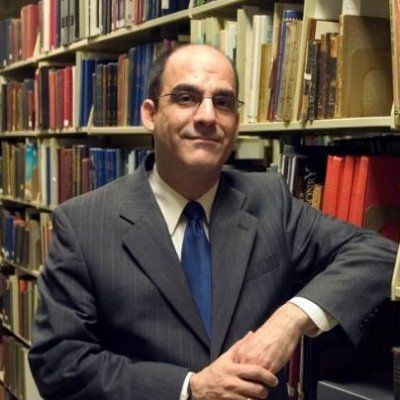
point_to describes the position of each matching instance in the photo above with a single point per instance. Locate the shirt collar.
(172, 203)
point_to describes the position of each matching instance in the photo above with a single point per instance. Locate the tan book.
(394, 37)
(292, 67)
(317, 195)
(265, 84)
(365, 68)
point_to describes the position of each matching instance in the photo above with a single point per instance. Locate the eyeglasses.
(221, 102)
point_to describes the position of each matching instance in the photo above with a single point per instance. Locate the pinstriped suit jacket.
(116, 319)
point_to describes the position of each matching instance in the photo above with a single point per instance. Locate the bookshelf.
(179, 25)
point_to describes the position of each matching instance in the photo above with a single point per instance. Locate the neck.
(190, 184)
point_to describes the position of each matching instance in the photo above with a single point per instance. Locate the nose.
(205, 113)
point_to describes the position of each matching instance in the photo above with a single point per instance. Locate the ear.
(147, 113)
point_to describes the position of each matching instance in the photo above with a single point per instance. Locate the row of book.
(62, 22)
(355, 188)
(277, 83)
(19, 301)
(373, 195)
(19, 35)
(18, 379)
(266, 50)
(56, 170)
(63, 96)
(364, 190)
(25, 239)
(344, 61)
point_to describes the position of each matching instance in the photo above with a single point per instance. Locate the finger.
(257, 374)
(253, 390)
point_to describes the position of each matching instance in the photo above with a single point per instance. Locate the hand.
(225, 379)
(272, 344)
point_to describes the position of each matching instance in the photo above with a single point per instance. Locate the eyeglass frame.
(238, 103)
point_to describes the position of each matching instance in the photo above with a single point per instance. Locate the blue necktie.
(196, 261)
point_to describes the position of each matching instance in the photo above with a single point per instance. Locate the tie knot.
(193, 211)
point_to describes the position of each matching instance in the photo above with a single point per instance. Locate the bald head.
(177, 55)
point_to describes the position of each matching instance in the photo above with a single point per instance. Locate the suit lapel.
(149, 243)
(232, 233)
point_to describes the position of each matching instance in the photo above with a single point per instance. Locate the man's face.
(197, 138)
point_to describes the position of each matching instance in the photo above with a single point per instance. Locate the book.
(346, 185)
(333, 181)
(364, 67)
(374, 191)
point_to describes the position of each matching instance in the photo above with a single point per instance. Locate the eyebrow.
(192, 88)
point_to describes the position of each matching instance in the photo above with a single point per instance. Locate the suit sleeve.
(67, 359)
(345, 270)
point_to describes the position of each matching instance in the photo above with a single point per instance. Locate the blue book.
(100, 167)
(288, 15)
(83, 93)
(110, 157)
(92, 174)
(10, 237)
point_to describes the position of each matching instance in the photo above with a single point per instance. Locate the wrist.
(302, 323)
(193, 388)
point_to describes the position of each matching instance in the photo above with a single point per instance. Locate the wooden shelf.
(25, 270)
(16, 335)
(117, 130)
(28, 63)
(32, 204)
(332, 124)
(46, 132)
(213, 6)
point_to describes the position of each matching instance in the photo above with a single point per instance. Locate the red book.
(343, 205)
(294, 373)
(32, 29)
(67, 95)
(85, 171)
(52, 99)
(356, 211)
(24, 32)
(333, 179)
(53, 16)
(382, 196)
(59, 98)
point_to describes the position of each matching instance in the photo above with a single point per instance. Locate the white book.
(243, 52)
(262, 33)
(230, 38)
(196, 31)
(82, 19)
(130, 10)
(46, 26)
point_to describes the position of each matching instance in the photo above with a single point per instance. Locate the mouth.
(203, 139)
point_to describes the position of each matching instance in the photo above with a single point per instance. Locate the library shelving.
(70, 107)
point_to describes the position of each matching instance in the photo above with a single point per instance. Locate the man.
(122, 318)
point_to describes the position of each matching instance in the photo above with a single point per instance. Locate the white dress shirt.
(172, 204)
